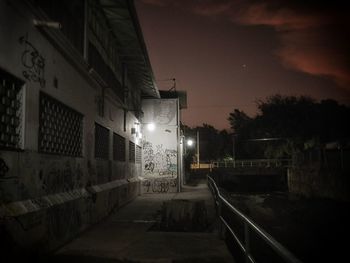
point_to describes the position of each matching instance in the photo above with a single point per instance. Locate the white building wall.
(160, 172)
(54, 197)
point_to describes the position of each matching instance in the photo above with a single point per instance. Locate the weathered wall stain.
(164, 111)
(9, 182)
(63, 221)
(31, 220)
(61, 176)
(57, 179)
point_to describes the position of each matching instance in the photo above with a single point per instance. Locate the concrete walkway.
(130, 235)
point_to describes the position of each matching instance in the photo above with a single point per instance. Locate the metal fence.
(253, 242)
(252, 163)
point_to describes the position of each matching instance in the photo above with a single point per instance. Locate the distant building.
(72, 77)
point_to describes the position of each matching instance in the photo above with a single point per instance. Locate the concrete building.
(72, 77)
(163, 147)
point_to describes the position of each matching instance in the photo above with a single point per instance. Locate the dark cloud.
(313, 35)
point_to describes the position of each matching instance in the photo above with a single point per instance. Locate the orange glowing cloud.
(308, 41)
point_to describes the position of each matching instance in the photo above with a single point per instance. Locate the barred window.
(11, 111)
(60, 128)
(138, 154)
(118, 147)
(131, 151)
(101, 142)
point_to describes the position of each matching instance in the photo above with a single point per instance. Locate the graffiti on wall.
(60, 178)
(3, 168)
(9, 181)
(159, 185)
(32, 61)
(159, 161)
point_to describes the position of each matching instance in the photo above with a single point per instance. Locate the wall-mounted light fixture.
(51, 24)
(151, 126)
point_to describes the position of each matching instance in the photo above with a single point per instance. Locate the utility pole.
(197, 148)
(233, 147)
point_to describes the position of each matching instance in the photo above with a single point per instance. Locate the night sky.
(229, 53)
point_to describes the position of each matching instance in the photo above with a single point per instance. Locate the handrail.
(252, 163)
(286, 255)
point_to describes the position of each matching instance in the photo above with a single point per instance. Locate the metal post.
(233, 147)
(221, 224)
(246, 242)
(197, 148)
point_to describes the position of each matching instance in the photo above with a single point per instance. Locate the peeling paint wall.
(160, 147)
(47, 198)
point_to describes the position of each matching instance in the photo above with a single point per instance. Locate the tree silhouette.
(288, 124)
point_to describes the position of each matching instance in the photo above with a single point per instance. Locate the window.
(11, 111)
(138, 154)
(101, 142)
(131, 151)
(118, 148)
(60, 128)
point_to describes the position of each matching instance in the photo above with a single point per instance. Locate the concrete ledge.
(41, 225)
(23, 207)
(20, 208)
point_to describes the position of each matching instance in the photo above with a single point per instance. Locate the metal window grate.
(101, 142)
(138, 154)
(11, 111)
(131, 151)
(118, 147)
(60, 128)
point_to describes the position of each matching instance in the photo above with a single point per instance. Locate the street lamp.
(190, 142)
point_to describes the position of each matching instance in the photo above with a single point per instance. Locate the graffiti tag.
(159, 161)
(33, 62)
(3, 168)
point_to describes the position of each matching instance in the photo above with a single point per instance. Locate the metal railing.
(249, 226)
(252, 163)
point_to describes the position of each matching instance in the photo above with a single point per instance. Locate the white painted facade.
(162, 155)
(55, 196)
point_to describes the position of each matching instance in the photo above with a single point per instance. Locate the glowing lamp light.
(151, 126)
(189, 142)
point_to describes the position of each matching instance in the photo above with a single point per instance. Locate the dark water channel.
(314, 230)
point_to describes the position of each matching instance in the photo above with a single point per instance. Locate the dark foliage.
(287, 124)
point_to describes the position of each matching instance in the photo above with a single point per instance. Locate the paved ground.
(131, 235)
